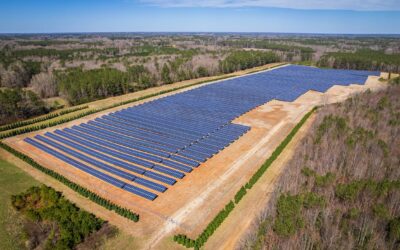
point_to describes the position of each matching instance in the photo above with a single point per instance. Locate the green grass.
(12, 181)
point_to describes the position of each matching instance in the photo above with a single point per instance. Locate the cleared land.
(190, 204)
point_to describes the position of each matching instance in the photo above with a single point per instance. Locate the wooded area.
(19, 104)
(52, 222)
(80, 86)
(365, 59)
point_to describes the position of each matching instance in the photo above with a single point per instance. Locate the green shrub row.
(277, 151)
(221, 216)
(239, 195)
(40, 119)
(77, 188)
(46, 125)
(208, 231)
(67, 111)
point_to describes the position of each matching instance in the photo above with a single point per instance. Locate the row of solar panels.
(82, 144)
(98, 174)
(162, 140)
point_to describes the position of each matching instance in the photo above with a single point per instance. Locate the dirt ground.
(189, 205)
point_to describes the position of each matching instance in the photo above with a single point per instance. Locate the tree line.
(19, 104)
(305, 53)
(80, 86)
(265, 44)
(364, 59)
(240, 60)
(41, 119)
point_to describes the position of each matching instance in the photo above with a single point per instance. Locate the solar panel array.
(146, 148)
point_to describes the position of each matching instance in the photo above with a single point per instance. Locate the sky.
(288, 16)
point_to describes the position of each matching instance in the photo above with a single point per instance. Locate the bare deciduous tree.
(44, 84)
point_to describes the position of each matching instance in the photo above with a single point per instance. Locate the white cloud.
(292, 4)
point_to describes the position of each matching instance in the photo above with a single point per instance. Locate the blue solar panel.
(105, 157)
(175, 133)
(109, 145)
(113, 181)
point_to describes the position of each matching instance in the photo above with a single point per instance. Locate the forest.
(341, 189)
(54, 71)
(19, 104)
(80, 86)
(51, 221)
(364, 59)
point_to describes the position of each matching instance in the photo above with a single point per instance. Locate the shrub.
(359, 135)
(384, 147)
(308, 172)
(330, 121)
(311, 200)
(348, 191)
(353, 213)
(394, 229)
(239, 195)
(324, 180)
(288, 219)
(381, 211)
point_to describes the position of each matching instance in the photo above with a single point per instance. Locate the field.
(188, 206)
(12, 181)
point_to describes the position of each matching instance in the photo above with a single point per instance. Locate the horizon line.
(191, 32)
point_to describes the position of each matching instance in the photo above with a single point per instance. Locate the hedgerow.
(40, 119)
(77, 188)
(309, 200)
(208, 231)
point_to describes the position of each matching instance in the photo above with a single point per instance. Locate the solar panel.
(174, 134)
